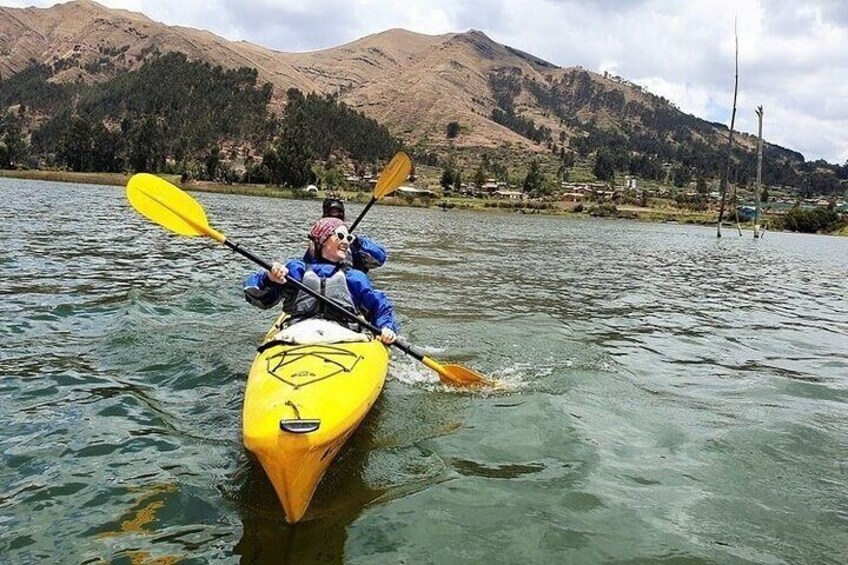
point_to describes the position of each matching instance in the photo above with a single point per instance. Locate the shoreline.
(624, 211)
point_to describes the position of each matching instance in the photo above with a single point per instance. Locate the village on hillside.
(577, 196)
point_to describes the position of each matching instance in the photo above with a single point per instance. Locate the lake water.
(671, 396)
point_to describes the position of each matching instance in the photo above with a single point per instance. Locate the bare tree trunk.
(736, 208)
(724, 178)
(759, 187)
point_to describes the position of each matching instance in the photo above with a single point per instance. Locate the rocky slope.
(415, 84)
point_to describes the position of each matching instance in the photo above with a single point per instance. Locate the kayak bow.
(301, 404)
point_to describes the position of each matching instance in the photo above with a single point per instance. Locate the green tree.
(145, 145)
(12, 146)
(106, 149)
(533, 180)
(290, 160)
(330, 177)
(290, 163)
(75, 144)
(452, 130)
(603, 168)
(446, 180)
(680, 175)
(270, 162)
(211, 162)
(810, 221)
(479, 177)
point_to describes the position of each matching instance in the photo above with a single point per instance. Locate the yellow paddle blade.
(457, 375)
(393, 175)
(464, 376)
(168, 206)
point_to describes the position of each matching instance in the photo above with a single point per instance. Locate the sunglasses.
(344, 236)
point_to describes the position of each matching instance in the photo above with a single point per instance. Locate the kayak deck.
(301, 404)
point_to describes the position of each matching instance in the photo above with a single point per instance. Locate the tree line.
(653, 141)
(174, 115)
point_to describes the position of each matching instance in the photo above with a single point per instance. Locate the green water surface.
(670, 397)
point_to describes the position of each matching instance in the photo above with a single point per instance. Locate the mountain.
(413, 83)
(416, 85)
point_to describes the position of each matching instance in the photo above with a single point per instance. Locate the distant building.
(573, 196)
(510, 194)
(575, 187)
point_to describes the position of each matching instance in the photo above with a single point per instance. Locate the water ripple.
(667, 396)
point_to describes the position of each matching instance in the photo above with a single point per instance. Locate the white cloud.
(793, 56)
(692, 99)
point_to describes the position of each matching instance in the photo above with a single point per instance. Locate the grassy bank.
(667, 214)
(121, 179)
(112, 179)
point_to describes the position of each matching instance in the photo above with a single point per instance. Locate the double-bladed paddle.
(165, 204)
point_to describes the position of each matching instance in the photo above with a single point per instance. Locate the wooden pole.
(736, 208)
(726, 175)
(759, 187)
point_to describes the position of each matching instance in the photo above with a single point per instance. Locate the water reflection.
(378, 465)
(320, 537)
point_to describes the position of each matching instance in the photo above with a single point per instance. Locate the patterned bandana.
(324, 228)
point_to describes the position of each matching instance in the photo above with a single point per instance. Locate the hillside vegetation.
(84, 87)
(176, 115)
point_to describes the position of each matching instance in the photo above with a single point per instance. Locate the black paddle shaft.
(362, 214)
(408, 349)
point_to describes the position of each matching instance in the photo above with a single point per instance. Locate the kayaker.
(329, 274)
(365, 253)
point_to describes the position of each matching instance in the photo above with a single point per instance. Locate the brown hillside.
(415, 84)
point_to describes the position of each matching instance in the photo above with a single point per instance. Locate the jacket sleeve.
(262, 292)
(367, 254)
(375, 303)
(296, 269)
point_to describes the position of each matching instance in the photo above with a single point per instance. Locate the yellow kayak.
(301, 404)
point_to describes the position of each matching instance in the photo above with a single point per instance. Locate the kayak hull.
(301, 404)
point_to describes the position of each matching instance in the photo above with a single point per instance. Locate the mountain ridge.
(415, 84)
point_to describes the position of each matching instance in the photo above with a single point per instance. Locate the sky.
(793, 54)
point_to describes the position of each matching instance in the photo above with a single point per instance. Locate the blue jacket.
(365, 254)
(264, 293)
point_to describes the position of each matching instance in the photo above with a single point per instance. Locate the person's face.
(335, 213)
(336, 246)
